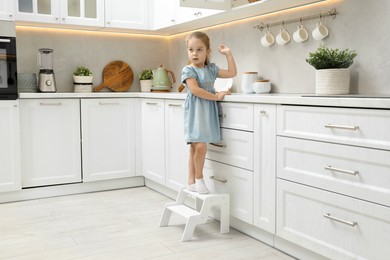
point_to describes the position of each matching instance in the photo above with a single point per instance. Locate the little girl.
(201, 121)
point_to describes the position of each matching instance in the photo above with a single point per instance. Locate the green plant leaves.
(326, 58)
(82, 71)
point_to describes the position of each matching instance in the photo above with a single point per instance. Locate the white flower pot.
(82, 84)
(332, 81)
(146, 85)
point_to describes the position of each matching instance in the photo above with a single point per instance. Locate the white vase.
(332, 81)
(82, 84)
(146, 85)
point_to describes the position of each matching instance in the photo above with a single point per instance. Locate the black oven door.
(8, 80)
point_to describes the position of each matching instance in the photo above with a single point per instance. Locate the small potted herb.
(146, 80)
(332, 69)
(82, 79)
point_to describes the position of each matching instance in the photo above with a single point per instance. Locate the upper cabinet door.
(127, 14)
(207, 4)
(46, 11)
(6, 10)
(72, 12)
(82, 12)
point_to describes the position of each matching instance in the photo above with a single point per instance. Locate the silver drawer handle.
(5, 40)
(349, 223)
(108, 103)
(152, 103)
(354, 128)
(217, 179)
(328, 167)
(219, 145)
(222, 115)
(175, 105)
(50, 104)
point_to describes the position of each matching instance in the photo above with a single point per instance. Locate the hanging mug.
(268, 39)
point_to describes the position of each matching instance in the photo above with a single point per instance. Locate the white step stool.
(204, 202)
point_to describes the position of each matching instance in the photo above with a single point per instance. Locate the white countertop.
(362, 101)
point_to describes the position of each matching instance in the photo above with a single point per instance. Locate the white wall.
(360, 25)
(94, 50)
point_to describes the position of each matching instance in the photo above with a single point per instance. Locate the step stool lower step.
(183, 210)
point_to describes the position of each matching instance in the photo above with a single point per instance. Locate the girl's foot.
(201, 186)
(191, 187)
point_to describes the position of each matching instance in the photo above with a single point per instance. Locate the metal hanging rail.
(332, 13)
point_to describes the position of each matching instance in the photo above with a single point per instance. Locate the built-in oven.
(8, 73)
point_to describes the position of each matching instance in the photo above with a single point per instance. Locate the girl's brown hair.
(204, 38)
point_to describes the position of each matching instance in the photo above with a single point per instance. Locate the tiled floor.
(119, 224)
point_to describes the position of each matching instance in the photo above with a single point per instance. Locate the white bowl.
(262, 87)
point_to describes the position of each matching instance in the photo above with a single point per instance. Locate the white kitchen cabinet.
(209, 4)
(330, 224)
(153, 140)
(229, 163)
(264, 166)
(10, 178)
(127, 14)
(237, 182)
(50, 141)
(177, 151)
(108, 138)
(332, 180)
(7, 10)
(168, 13)
(235, 148)
(69, 12)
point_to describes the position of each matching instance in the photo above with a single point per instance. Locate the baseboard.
(69, 189)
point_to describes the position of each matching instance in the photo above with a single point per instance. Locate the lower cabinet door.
(50, 141)
(10, 179)
(237, 182)
(108, 139)
(330, 224)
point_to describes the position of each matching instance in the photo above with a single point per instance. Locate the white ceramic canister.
(248, 78)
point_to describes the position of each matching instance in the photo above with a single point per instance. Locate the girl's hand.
(224, 50)
(222, 94)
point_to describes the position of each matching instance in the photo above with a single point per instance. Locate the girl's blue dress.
(201, 120)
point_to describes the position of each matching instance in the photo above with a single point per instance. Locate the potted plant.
(146, 79)
(82, 79)
(332, 70)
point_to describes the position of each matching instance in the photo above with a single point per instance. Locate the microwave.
(8, 68)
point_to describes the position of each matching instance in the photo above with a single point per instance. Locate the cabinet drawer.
(355, 171)
(238, 183)
(235, 148)
(336, 226)
(236, 116)
(362, 127)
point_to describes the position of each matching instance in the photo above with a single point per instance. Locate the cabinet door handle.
(349, 223)
(108, 103)
(330, 168)
(222, 115)
(263, 112)
(353, 128)
(50, 104)
(217, 179)
(175, 105)
(219, 145)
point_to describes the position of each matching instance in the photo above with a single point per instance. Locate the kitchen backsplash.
(364, 31)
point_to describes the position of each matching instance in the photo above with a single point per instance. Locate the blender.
(46, 80)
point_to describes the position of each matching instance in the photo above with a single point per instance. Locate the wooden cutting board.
(117, 76)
